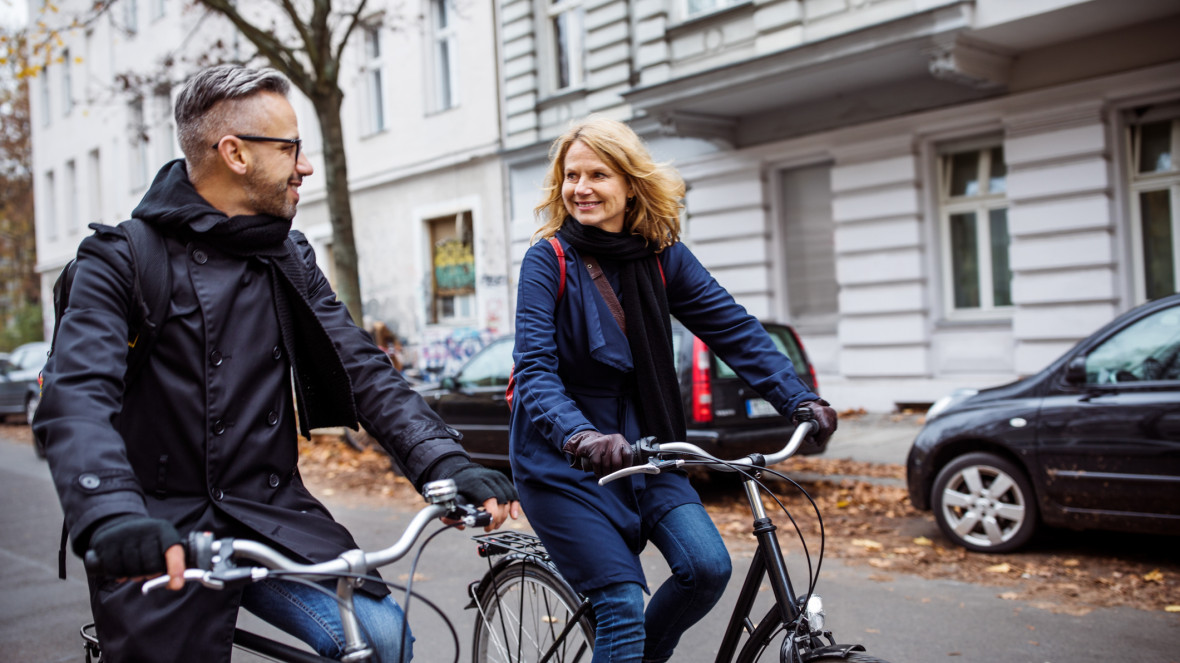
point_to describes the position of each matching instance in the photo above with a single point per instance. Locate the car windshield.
(1146, 350)
(489, 367)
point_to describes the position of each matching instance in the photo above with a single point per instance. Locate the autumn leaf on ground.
(1070, 562)
(923, 541)
(867, 544)
(1172, 608)
(1000, 568)
(1154, 576)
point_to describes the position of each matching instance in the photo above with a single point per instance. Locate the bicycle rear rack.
(500, 543)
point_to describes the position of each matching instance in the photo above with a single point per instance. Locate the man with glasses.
(204, 436)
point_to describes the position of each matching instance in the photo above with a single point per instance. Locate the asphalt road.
(899, 618)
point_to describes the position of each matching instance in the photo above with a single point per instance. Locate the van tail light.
(702, 387)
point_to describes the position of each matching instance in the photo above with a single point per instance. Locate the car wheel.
(984, 503)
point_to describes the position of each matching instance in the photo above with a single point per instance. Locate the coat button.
(215, 358)
(218, 495)
(273, 481)
(218, 427)
(277, 353)
(89, 481)
(199, 257)
(272, 417)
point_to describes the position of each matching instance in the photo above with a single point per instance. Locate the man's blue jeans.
(313, 617)
(700, 567)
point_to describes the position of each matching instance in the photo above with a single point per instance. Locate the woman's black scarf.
(649, 325)
(321, 383)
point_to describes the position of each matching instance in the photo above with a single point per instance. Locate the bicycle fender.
(841, 651)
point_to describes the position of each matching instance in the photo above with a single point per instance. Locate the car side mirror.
(449, 383)
(1075, 370)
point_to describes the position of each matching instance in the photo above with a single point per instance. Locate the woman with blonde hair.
(594, 371)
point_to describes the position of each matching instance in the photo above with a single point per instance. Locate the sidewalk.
(875, 437)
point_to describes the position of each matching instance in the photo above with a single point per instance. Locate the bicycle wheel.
(523, 614)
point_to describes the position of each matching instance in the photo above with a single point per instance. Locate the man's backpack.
(151, 288)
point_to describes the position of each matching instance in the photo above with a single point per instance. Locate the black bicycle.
(223, 563)
(526, 612)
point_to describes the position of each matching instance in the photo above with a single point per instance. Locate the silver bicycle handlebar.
(655, 466)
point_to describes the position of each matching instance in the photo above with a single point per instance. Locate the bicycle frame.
(768, 560)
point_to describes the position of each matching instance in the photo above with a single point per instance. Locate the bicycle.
(550, 615)
(230, 562)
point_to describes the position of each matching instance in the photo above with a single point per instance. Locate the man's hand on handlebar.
(483, 486)
(821, 413)
(136, 547)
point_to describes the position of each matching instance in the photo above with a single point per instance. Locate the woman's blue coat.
(573, 373)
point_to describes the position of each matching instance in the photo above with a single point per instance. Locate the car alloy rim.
(983, 505)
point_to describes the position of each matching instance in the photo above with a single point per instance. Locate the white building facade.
(421, 133)
(935, 193)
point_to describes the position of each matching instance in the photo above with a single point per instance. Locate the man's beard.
(267, 197)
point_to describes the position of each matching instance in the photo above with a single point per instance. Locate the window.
(67, 83)
(695, 7)
(810, 245)
(374, 89)
(1155, 196)
(1148, 350)
(46, 116)
(50, 208)
(159, 8)
(138, 137)
(974, 228)
(568, 33)
(94, 186)
(452, 268)
(443, 55)
(163, 130)
(131, 16)
(72, 220)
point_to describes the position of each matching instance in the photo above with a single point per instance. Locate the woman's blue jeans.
(313, 617)
(700, 567)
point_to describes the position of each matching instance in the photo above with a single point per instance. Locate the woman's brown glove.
(824, 417)
(598, 453)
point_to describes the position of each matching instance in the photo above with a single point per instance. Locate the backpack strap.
(607, 292)
(151, 290)
(560, 265)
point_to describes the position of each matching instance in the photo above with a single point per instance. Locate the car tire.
(984, 503)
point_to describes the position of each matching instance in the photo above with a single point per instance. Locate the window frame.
(373, 74)
(1140, 183)
(981, 205)
(444, 76)
(467, 299)
(551, 59)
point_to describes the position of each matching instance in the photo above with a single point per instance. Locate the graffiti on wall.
(443, 351)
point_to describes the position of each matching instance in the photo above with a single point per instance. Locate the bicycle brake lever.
(653, 466)
(203, 577)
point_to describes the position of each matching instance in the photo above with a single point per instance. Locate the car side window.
(489, 367)
(1148, 350)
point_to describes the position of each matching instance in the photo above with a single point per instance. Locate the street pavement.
(899, 618)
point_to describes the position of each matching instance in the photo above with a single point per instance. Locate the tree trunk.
(347, 279)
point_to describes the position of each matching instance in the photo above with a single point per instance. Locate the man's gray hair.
(195, 122)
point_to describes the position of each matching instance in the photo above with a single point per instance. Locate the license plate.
(758, 407)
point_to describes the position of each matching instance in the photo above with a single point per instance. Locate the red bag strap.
(561, 266)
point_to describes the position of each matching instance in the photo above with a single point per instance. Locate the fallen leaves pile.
(866, 523)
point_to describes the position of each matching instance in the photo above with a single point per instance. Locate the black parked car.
(1092, 441)
(19, 391)
(725, 416)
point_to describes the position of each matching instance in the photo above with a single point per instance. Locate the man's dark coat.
(205, 436)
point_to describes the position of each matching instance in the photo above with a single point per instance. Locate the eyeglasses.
(297, 142)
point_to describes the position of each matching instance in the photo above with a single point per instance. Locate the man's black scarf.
(321, 383)
(649, 325)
